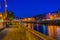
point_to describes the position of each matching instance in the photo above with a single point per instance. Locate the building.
(40, 17)
(1, 20)
(53, 15)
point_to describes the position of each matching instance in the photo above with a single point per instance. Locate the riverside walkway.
(20, 32)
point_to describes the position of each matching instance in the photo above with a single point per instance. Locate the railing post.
(32, 26)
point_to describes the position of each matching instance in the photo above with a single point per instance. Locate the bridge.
(45, 21)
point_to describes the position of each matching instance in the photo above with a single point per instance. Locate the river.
(49, 30)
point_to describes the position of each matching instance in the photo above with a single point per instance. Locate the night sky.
(29, 8)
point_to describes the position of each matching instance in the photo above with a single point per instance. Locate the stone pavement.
(3, 33)
(14, 34)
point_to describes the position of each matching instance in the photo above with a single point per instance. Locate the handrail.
(38, 34)
(34, 34)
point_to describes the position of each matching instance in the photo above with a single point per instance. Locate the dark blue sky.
(29, 8)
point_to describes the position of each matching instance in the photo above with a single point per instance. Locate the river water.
(49, 30)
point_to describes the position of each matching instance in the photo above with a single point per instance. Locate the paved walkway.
(3, 33)
(14, 34)
(18, 33)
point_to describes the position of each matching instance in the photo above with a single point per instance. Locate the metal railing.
(32, 34)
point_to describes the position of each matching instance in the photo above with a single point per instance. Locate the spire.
(5, 4)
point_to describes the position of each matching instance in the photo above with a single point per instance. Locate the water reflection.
(49, 30)
(41, 28)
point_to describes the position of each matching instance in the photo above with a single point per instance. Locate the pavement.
(3, 33)
(14, 34)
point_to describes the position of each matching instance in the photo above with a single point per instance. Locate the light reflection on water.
(49, 30)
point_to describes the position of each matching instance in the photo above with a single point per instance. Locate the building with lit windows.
(1, 20)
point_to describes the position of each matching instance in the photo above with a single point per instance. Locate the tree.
(10, 15)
